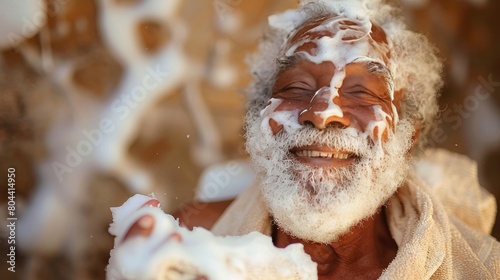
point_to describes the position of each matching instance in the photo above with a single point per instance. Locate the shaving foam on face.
(381, 123)
(326, 95)
(348, 41)
(390, 82)
(286, 118)
(351, 39)
(344, 38)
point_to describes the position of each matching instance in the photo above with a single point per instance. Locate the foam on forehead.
(293, 19)
(342, 36)
(342, 41)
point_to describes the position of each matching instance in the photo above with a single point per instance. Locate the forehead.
(334, 23)
(338, 39)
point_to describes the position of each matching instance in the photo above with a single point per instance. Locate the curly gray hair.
(414, 64)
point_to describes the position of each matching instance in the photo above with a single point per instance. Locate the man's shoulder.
(219, 185)
(200, 214)
(452, 179)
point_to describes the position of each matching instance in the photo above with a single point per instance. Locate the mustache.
(348, 139)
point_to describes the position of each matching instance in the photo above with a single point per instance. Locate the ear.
(414, 137)
(398, 99)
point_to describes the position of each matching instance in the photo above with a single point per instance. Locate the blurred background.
(102, 99)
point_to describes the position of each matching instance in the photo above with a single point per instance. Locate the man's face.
(329, 143)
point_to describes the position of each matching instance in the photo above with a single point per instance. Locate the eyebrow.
(286, 62)
(380, 69)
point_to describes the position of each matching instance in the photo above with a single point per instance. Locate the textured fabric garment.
(246, 214)
(440, 219)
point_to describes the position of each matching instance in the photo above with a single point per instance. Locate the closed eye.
(361, 90)
(296, 89)
(358, 90)
(364, 94)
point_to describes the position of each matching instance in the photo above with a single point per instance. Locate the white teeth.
(318, 154)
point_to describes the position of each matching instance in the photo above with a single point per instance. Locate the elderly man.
(342, 100)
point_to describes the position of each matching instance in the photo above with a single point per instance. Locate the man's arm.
(200, 214)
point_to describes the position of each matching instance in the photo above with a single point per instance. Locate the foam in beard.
(174, 252)
(338, 205)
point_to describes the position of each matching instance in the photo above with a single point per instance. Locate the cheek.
(275, 126)
(280, 114)
(372, 121)
(381, 128)
(377, 123)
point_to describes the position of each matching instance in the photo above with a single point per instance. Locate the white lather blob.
(269, 109)
(174, 252)
(381, 123)
(286, 118)
(328, 94)
(348, 43)
(127, 209)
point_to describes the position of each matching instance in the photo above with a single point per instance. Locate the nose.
(324, 110)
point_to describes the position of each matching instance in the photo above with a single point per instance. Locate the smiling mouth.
(323, 156)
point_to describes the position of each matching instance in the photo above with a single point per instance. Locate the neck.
(366, 250)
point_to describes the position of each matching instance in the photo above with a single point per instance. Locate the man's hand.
(150, 244)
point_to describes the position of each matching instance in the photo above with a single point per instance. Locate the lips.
(323, 156)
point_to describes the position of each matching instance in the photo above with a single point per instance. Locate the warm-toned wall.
(63, 75)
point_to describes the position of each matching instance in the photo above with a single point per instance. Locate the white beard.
(335, 199)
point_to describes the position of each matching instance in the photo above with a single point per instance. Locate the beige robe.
(440, 219)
